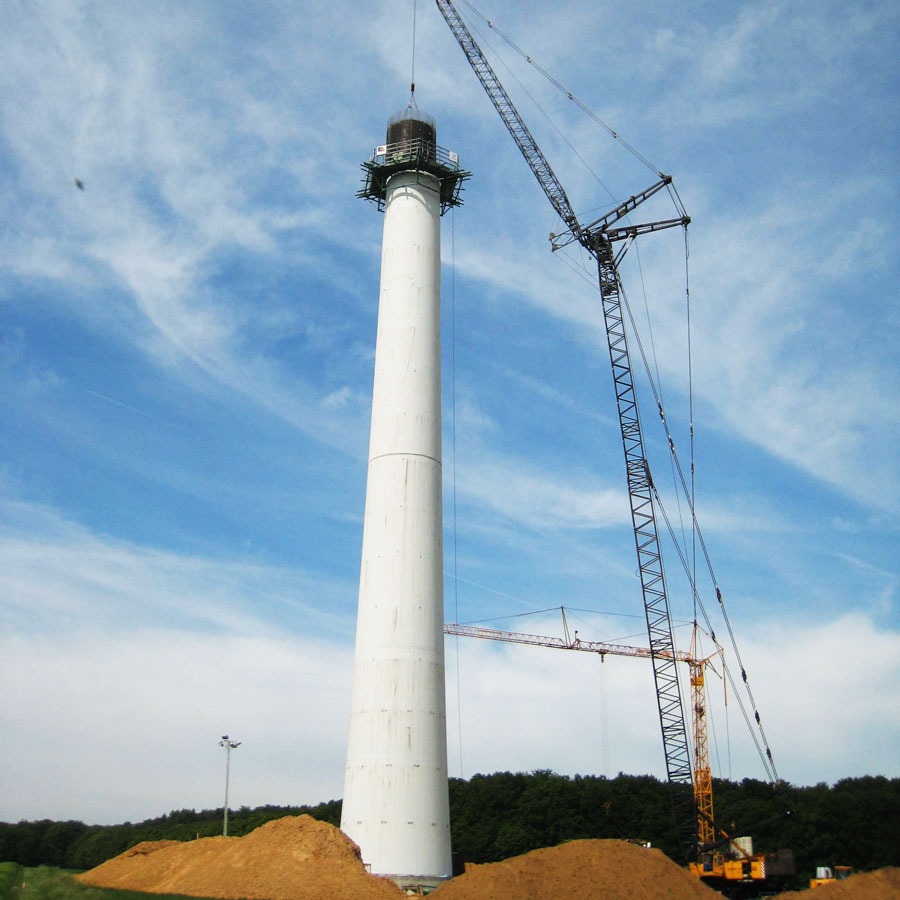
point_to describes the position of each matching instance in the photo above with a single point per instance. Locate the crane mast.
(703, 794)
(597, 238)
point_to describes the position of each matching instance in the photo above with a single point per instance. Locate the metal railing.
(415, 150)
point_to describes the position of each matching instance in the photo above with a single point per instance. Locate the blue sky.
(186, 352)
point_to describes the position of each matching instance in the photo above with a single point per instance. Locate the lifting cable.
(765, 756)
(693, 498)
(412, 74)
(637, 251)
(696, 525)
(453, 439)
(412, 103)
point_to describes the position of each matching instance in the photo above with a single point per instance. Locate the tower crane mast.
(597, 238)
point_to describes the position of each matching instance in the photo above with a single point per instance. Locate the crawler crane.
(691, 790)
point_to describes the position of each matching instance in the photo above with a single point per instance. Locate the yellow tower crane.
(703, 796)
(724, 862)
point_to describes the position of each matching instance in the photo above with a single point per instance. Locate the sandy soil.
(300, 858)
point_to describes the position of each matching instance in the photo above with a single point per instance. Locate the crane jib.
(510, 116)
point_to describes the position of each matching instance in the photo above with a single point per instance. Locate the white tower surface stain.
(396, 805)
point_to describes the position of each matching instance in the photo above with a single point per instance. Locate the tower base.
(417, 884)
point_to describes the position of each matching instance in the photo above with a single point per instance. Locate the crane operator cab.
(828, 874)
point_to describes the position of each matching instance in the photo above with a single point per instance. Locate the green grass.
(9, 878)
(48, 883)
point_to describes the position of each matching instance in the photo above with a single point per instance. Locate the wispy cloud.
(57, 574)
(541, 499)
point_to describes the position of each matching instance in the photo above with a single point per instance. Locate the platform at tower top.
(411, 147)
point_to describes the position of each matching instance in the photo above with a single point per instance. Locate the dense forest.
(856, 822)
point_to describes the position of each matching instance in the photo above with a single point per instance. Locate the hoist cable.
(715, 733)
(412, 74)
(453, 442)
(765, 757)
(696, 525)
(687, 294)
(658, 380)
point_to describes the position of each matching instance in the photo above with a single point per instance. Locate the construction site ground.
(301, 858)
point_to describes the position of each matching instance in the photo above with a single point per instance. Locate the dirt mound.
(883, 884)
(294, 858)
(300, 858)
(614, 870)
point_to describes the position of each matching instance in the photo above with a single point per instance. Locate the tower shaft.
(396, 805)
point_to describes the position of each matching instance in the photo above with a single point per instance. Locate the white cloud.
(828, 696)
(540, 499)
(113, 710)
(107, 726)
(339, 398)
(58, 575)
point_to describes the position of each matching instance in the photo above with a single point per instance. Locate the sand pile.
(883, 884)
(294, 858)
(300, 858)
(614, 870)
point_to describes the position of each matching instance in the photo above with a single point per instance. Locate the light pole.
(229, 745)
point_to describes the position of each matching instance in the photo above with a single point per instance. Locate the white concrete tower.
(396, 805)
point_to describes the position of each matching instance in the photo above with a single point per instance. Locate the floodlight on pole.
(229, 745)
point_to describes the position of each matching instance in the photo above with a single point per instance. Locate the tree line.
(855, 822)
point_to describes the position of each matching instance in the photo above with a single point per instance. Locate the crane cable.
(687, 297)
(412, 74)
(453, 438)
(412, 102)
(767, 759)
(765, 756)
(659, 382)
(674, 454)
(585, 109)
(537, 105)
